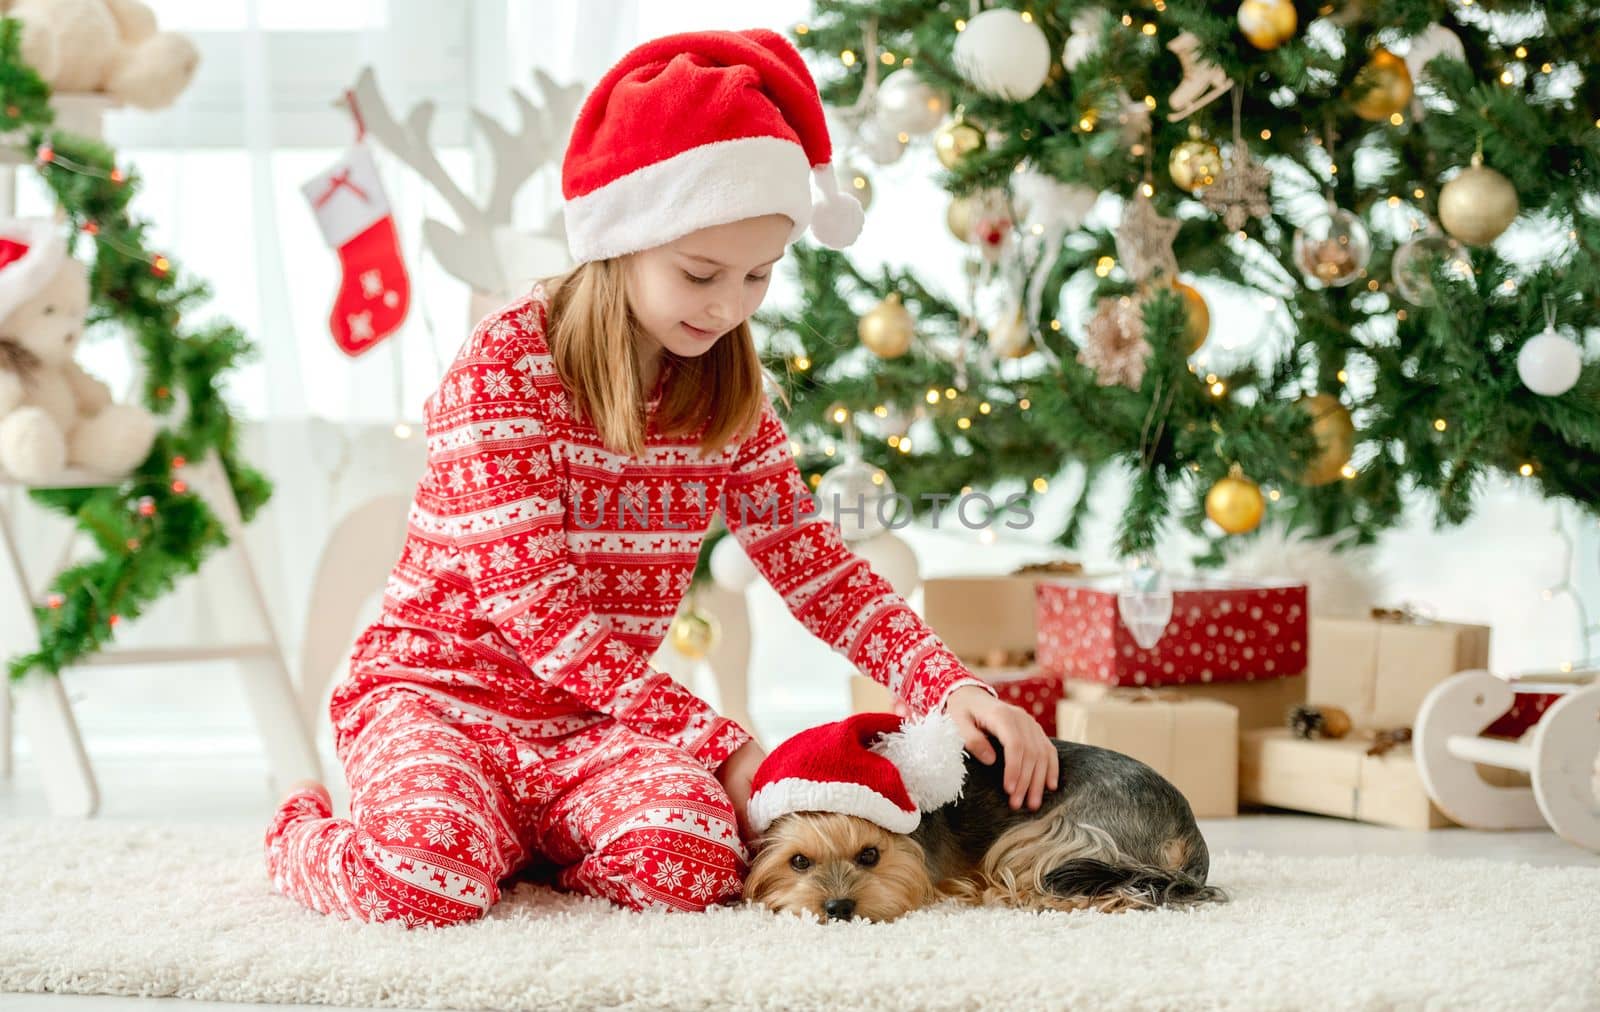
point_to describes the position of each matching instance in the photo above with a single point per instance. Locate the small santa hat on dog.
(31, 251)
(701, 129)
(875, 766)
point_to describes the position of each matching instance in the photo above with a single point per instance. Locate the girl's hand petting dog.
(735, 775)
(1032, 763)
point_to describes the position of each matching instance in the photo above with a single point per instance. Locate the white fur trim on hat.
(794, 794)
(712, 184)
(929, 754)
(21, 279)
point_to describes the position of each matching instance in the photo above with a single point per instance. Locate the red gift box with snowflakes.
(1029, 688)
(1219, 632)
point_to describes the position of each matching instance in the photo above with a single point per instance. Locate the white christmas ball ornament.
(908, 104)
(731, 568)
(880, 142)
(1003, 54)
(858, 498)
(1549, 363)
(1050, 203)
(891, 558)
(1435, 40)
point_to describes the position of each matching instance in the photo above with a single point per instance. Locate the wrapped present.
(1219, 631)
(987, 622)
(1379, 669)
(1194, 743)
(1335, 777)
(1262, 702)
(1024, 686)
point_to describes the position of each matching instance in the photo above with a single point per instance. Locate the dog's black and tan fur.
(1114, 836)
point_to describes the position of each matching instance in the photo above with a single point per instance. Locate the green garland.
(1438, 402)
(150, 528)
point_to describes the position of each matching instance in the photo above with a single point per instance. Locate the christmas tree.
(149, 528)
(1353, 166)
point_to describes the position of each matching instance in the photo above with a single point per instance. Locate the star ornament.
(1144, 239)
(1241, 191)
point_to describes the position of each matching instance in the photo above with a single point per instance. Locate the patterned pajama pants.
(443, 812)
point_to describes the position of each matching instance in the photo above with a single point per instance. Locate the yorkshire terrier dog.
(1114, 836)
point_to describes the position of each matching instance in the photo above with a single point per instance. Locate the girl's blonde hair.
(594, 338)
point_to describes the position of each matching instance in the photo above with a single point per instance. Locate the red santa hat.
(701, 129)
(875, 766)
(31, 251)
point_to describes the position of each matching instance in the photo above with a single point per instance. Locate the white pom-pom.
(836, 219)
(929, 754)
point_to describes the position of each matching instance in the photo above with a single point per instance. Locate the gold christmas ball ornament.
(1382, 87)
(959, 217)
(1197, 316)
(887, 328)
(694, 634)
(1235, 503)
(1268, 24)
(1336, 438)
(956, 140)
(1194, 164)
(1478, 204)
(1010, 338)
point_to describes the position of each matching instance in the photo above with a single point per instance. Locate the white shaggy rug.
(104, 908)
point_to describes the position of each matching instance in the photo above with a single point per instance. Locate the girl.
(502, 711)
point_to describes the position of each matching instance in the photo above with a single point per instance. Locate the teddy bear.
(53, 415)
(109, 46)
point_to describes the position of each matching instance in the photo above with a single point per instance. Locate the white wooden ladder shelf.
(1559, 757)
(43, 711)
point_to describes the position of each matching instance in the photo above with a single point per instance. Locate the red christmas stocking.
(353, 213)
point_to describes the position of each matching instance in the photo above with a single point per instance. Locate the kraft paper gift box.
(1220, 631)
(1194, 743)
(1335, 777)
(988, 622)
(1261, 703)
(1379, 669)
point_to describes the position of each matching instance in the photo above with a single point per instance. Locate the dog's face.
(838, 867)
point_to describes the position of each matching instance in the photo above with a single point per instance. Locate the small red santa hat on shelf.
(701, 129)
(875, 766)
(31, 251)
